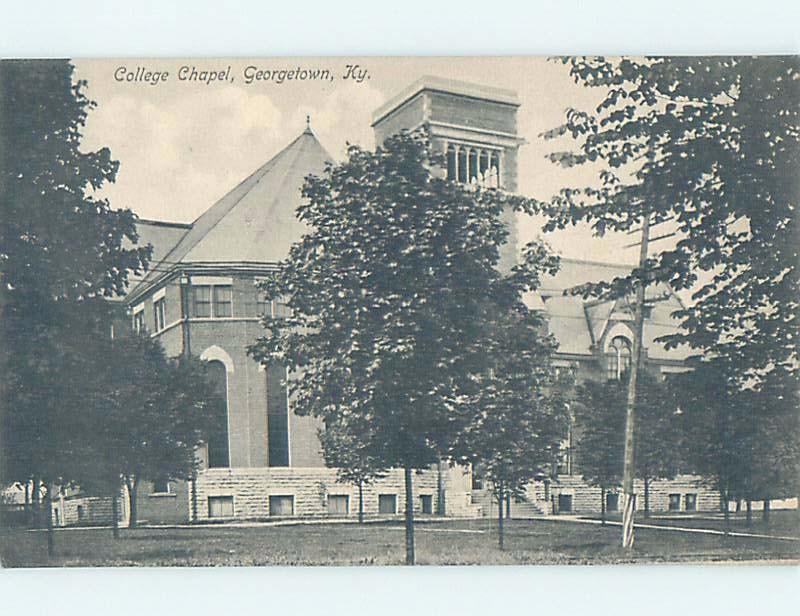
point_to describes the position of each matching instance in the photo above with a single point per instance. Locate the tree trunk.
(360, 502)
(439, 488)
(765, 515)
(134, 512)
(115, 513)
(749, 517)
(48, 506)
(738, 505)
(500, 500)
(603, 506)
(647, 497)
(726, 511)
(409, 517)
(508, 506)
(35, 495)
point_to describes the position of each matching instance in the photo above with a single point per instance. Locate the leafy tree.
(150, 414)
(600, 416)
(710, 145)
(600, 426)
(521, 417)
(743, 441)
(61, 251)
(389, 290)
(343, 447)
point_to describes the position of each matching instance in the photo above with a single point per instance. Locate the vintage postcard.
(399, 310)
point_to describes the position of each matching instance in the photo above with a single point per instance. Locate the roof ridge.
(255, 177)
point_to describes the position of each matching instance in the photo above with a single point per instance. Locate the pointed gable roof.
(578, 325)
(256, 221)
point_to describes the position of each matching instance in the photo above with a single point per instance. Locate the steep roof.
(162, 236)
(578, 324)
(255, 222)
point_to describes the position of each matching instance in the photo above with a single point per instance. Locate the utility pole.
(629, 470)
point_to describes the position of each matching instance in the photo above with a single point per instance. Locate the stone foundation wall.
(586, 498)
(251, 489)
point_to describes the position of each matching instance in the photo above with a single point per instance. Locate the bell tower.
(474, 126)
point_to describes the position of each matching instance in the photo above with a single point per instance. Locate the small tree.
(601, 417)
(343, 448)
(600, 420)
(519, 424)
(150, 413)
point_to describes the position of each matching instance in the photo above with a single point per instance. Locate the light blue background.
(336, 27)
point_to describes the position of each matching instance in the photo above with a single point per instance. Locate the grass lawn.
(782, 522)
(443, 543)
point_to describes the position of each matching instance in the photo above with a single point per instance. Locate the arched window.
(619, 358)
(218, 453)
(277, 416)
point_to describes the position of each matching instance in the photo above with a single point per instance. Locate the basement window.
(220, 506)
(338, 504)
(281, 505)
(426, 503)
(387, 503)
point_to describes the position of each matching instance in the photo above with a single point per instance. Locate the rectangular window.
(160, 313)
(281, 505)
(277, 416)
(565, 503)
(201, 301)
(138, 322)
(674, 502)
(612, 501)
(220, 506)
(387, 503)
(338, 504)
(161, 486)
(691, 502)
(223, 301)
(426, 502)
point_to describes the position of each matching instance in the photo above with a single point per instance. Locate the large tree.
(521, 415)
(389, 291)
(62, 249)
(711, 146)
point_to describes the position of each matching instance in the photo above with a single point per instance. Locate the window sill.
(162, 495)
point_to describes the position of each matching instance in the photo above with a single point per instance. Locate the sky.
(184, 144)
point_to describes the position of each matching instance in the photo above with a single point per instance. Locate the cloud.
(182, 149)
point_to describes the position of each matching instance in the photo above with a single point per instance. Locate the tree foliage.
(745, 442)
(389, 292)
(149, 415)
(710, 145)
(345, 447)
(600, 421)
(62, 250)
(521, 415)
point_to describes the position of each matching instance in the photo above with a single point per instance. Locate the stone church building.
(200, 297)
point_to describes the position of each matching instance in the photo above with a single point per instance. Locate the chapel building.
(200, 297)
